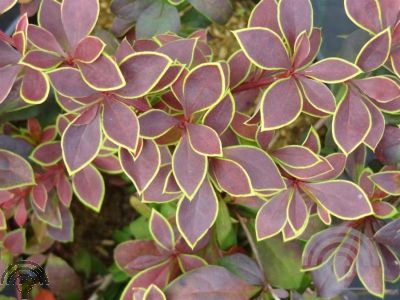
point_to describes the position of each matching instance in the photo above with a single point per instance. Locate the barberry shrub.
(198, 140)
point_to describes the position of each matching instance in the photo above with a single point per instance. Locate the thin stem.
(254, 84)
(253, 247)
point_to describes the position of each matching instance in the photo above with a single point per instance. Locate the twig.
(107, 280)
(253, 247)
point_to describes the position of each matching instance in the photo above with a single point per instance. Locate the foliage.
(197, 139)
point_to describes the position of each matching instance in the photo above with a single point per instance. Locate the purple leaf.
(8, 75)
(195, 217)
(161, 231)
(351, 123)
(294, 17)
(120, 124)
(63, 280)
(189, 262)
(253, 42)
(204, 140)
(89, 49)
(41, 59)
(81, 140)
(49, 18)
(265, 14)
(365, 14)
(102, 74)
(44, 39)
(298, 213)
(263, 173)
(142, 71)
(79, 18)
(318, 95)
(35, 87)
(281, 104)
(68, 82)
(5, 5)
(388, 181)
(370, 267)
(377, 126)
(296, 156)
(332, 70)
(379, 88)
(9, 55)
(151, 129)
(341, 198)
(181, 50)
(88, 185)
(389, 235)
(211, 282)
(144, 168)
(391, 263)
(39, 196)
(202, 88)
(14, 171)
(189, 167)
(64, 190)
(231, 177)
(221, 115)
(272, 216)
(375, 52)
(301, 49)
(239, 67)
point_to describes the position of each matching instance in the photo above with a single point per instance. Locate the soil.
(93, 231)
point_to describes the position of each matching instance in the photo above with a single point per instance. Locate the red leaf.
(35, 86)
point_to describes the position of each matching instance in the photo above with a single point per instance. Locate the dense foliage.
(197, 138)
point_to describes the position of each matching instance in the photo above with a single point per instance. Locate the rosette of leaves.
(312, 188)
(151, 17)
(162, 260)
(381, 19)
(283, 48)
(362, 247)
(32, 84)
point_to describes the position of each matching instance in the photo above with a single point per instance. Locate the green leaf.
(281, 261)
(140, 229)
(226, 235)
(82, 262)
(160, 17)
